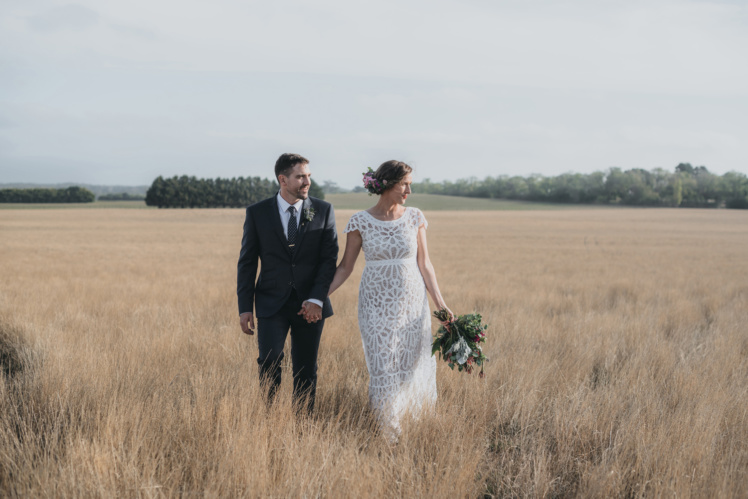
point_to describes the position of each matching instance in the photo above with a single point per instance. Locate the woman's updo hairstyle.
(386, 176)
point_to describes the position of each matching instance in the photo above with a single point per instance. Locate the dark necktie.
(293, 227)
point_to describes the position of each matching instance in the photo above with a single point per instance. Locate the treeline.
(121, 196)
(192, 192)
(687, 186)
(37, 195)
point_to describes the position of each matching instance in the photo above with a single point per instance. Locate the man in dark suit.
(294, 237)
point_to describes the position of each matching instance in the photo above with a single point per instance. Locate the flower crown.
(372, 184)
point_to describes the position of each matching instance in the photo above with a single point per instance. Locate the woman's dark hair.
(286, 162)
(391, 172)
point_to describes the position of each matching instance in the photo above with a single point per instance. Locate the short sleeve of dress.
(420, 219)
(352, 224)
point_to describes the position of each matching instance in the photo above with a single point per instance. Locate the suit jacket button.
(293, 265)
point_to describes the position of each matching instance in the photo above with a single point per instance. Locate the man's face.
(296, 185)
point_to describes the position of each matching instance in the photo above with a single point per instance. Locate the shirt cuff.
(316, 302)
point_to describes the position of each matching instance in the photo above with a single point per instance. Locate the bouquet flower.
(458, 341)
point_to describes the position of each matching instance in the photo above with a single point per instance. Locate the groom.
(294, 237)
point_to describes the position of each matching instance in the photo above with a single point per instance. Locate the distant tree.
(686, 186)
(316, 191)
(736, 190)
(121, 196)
(425, 187)
(155, 192)
(684, 168)
(191, 192)
(331, 187)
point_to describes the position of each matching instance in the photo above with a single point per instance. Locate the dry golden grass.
(618, 339)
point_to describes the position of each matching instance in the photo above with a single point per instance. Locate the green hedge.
(68, 195)
(687, 186)
(192, 192)
(121, 196)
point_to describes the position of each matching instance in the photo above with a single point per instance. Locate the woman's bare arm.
(345, 267)
(428, 273)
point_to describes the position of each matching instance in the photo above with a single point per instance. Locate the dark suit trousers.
(305, 337)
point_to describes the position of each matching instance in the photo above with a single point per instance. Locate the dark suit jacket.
(309, 269)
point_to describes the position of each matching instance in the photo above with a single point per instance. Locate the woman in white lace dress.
(393, 307)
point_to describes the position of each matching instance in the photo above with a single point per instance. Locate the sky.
(114, 92)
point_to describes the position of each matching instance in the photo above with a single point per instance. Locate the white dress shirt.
(285, 216)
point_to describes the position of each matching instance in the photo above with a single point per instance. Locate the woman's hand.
(444, 315)
(449, 312)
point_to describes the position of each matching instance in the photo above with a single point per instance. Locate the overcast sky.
(119, 92)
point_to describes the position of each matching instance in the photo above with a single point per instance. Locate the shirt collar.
(283, 204)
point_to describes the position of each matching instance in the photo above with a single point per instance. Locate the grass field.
(618, 341)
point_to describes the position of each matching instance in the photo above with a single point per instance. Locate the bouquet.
(458, 341)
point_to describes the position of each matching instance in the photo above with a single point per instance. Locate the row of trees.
(37, 195)
(121, 196)
(687, 186)
(192, 192)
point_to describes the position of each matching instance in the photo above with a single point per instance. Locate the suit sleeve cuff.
(315, 301)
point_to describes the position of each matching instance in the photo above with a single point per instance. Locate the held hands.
(311, 312)
(247, 322)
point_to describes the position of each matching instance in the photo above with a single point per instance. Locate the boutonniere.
(309, 214)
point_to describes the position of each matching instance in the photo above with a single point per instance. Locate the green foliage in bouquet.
(458, 341)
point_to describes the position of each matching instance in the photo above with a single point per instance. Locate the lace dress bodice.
(394, 318)
(390, 239)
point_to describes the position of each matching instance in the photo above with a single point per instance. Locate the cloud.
(64, 17)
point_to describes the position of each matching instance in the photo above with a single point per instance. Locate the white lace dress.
(394, 318)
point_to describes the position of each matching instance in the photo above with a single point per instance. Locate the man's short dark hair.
(286, 162)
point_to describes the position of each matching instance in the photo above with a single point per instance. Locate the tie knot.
(292, 210)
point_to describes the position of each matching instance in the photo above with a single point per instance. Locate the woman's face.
(400, 192)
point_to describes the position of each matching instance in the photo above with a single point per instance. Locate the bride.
(393, 305)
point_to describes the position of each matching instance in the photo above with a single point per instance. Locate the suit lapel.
(277, 225)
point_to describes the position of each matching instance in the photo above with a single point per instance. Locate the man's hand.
(311, 311)
(247, 322)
